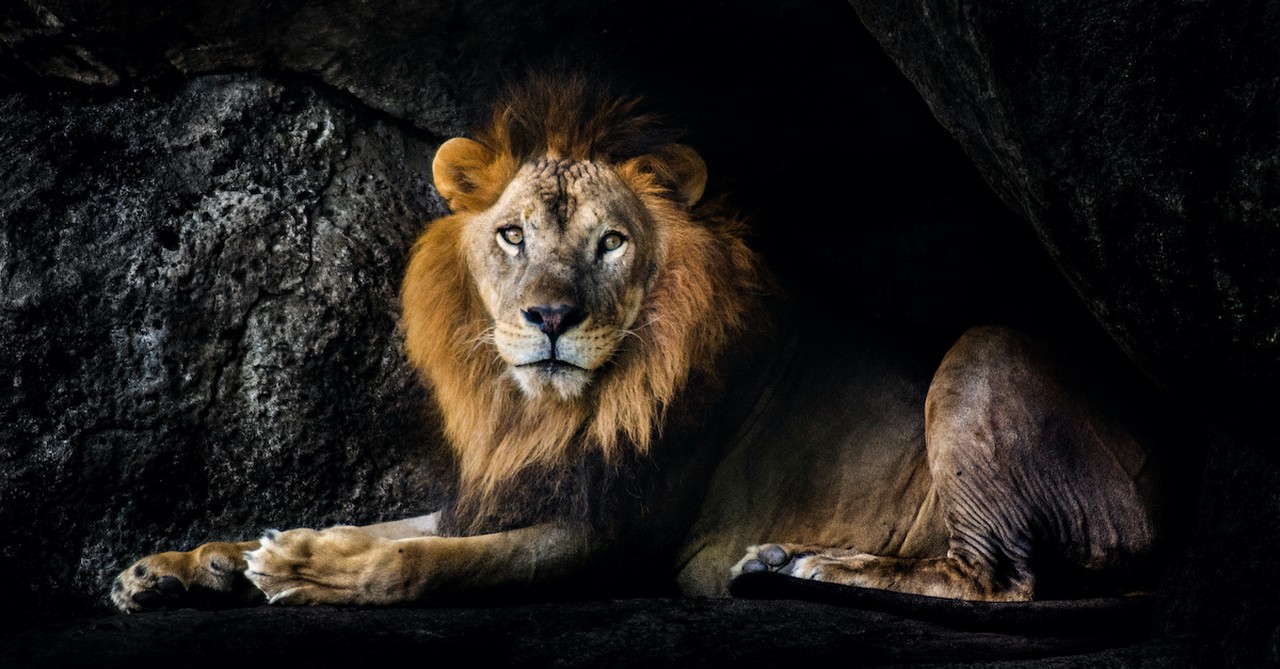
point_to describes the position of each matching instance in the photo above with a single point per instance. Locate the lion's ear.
(677, 168)
(459, 171)
(689, 172)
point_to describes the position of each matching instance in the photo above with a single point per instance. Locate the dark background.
(205, 209)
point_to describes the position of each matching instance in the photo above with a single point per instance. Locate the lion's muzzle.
(554, 320)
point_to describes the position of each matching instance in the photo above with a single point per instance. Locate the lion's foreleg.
(420, 526)
(213, 575)
(352, 566)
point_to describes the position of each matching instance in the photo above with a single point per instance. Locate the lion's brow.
(558, 171)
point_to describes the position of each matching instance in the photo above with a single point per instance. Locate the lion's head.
(574, 290)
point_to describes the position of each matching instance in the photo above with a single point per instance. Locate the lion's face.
(562, 262)
(578, 288)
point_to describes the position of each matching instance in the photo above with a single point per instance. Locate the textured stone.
(200, 324)
(1142, 141)
(610, 633)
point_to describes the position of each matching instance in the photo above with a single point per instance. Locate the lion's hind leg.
(1043, 488)
(948, 577)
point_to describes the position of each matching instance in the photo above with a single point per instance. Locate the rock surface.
(199, 312)
(1142, 142)
(1141, 139)
(614, 633)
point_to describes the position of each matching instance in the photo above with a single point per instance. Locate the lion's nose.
(554, 320)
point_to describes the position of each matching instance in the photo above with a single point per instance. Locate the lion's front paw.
(211, 576)
(340, 565)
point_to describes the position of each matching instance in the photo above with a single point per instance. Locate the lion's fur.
(703, 292)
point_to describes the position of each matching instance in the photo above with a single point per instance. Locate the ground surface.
(829, 624)
(618, 633)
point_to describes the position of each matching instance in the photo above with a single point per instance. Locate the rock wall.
(200, 324)
(1140, 140)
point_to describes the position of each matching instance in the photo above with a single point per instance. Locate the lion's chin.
(551, 376)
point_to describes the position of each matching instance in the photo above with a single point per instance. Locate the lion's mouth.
(552, 366)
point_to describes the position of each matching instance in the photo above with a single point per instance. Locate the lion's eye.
(611, 241)
(512, 234)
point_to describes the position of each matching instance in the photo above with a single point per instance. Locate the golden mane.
(704, 290)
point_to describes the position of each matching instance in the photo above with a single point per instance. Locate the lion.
(629, 414)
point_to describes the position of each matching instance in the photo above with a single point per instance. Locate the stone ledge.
(614, 633)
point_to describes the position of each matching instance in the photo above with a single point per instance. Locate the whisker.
(485, 336)
(640, 328)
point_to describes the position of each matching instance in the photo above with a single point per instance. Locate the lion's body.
(853, 472)
(993, 474)
(575, 317)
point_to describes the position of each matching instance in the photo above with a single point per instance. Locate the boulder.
(1141, 140)
(200, 324)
